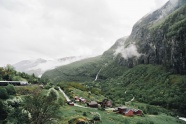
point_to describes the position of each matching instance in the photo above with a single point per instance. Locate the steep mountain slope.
(162, 40)
(39, 66)
(151, 84)
(158, 38)
(150, 64)
(84, 70)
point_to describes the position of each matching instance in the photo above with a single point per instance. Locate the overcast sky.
(52, 29)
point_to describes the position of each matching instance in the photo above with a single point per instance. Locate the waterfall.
(97, 75)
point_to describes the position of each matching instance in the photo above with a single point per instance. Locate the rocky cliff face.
(160, 38)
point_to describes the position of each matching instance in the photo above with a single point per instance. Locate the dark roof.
(122, 107)
(93, 103)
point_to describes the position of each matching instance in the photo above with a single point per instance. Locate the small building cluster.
(127, 111)
(107, 103)
(79, 99)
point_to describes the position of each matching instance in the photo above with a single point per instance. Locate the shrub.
(47, 87)
(96, 117)
(3, 111)
(84, 114)
(61, 101)
(10, 89)
(3, 93)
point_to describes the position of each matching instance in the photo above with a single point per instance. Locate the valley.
(140, 79)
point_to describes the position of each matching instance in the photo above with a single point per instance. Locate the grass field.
(109, 117)
(86, 95)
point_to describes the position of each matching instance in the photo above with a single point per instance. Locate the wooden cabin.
(92, 104)
(105, 103)
(82, 100)
(129, 112)
(70, 103)
(76, 98)
(137, 112)
(122, 109)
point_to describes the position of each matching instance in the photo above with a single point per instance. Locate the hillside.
(149, 64)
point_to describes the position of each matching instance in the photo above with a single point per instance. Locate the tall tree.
(43, 108)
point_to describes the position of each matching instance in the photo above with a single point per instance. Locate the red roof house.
(129, 112)
(137, 112)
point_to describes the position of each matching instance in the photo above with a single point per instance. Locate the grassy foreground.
(109, 117)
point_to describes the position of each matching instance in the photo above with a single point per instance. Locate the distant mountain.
(39, 66)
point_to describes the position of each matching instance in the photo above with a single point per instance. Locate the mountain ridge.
(39, 66)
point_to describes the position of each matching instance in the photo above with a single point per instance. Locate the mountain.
(39, 66)
(158, 38)
(149, 65)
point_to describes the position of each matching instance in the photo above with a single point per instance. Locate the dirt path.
(181, 118)
(68, 99)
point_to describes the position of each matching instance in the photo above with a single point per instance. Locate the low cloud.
(127, 52)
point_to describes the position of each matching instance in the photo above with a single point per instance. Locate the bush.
(3, 111)
(61, 101)
(84, 114)
(3, 93)
(96, 117)
(47, 87)
(10, 89)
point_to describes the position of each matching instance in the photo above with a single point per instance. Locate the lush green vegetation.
(77, 71)
(155, 82)
(157, 77)
(73, 89)
(108, 117)
(39, 106)
(15, 101)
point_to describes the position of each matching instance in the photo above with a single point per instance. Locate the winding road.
(68, 99)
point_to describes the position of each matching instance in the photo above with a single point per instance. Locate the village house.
(92, 104)
(70, 103)
(82, 100)
(121, 109)
(128, 112)
(76, 98)
(137, 112)
(79, 99)
(106, 103)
